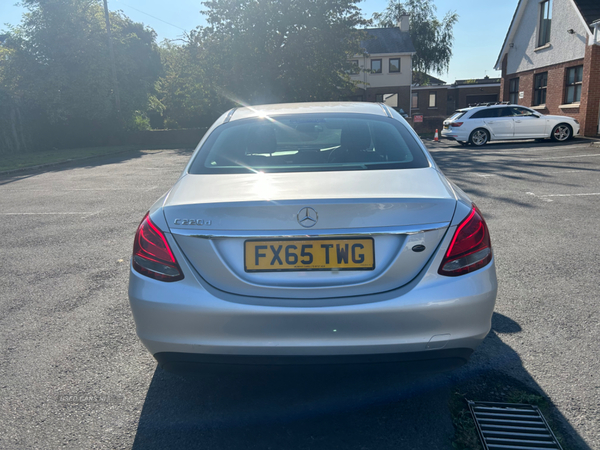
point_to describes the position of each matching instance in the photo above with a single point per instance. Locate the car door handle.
(490, 121)
(517, 121)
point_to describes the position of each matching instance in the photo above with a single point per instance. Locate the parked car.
(312, 233)
(481, 124)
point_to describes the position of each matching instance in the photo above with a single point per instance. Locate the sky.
(478, 35)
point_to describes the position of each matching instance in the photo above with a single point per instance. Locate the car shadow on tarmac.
(344, 407)
(470, 167)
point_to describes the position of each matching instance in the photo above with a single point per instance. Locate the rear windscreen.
(309, 143)
(457, 115)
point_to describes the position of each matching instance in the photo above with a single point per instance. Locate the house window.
(545, 21)
(513, 91)
(574, 79)
(394, 65)
(379, 98)
(433, 99)
(540, 82)
(376, 66)
(415, 100)
(354, 69)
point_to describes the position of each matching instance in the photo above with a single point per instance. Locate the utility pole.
(112, 61)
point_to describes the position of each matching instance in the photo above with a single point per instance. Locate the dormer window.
(545, 21)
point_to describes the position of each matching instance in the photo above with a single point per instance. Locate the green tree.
(185, 92)
(260, 51)
(432, 37)
(58, 69)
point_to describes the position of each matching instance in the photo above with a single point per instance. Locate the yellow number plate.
(309, 254)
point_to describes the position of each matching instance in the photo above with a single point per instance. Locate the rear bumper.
(454, 135)
(428, 361)
(433, 318)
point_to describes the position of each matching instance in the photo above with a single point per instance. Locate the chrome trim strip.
(340, 232)
(386, 110)
(230, 115)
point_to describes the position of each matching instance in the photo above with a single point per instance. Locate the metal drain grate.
(512, 426)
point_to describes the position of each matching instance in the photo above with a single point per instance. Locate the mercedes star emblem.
(307, 217)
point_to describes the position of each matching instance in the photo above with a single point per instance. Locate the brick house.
(384, 70)
(440, 99)
(550, 59)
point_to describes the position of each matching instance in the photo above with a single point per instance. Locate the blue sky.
(477, 36)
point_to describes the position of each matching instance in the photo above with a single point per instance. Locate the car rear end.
(247, 260)
(456, 126)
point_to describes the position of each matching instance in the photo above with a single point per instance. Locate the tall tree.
(280, 50)
(185, 91)
(59, 68)
(431, 36)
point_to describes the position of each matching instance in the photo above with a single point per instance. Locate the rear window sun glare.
(312, 142)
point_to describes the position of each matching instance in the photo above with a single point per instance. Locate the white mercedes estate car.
(315, 233)
(480, 124)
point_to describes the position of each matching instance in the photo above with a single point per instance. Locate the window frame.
(380, 66)
(545, 23)
(414, 95)
(390, 65)
(576, 85)
(354, 67)
(434, 94)
(540, 90)
(513, 83)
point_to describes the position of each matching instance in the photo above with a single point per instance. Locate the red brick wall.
(588, 110)
(402, 91)
(429, 124)
(590, 91)
(441, 103)
(504, 82)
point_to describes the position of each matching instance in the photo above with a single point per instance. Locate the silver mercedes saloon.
(312, 233)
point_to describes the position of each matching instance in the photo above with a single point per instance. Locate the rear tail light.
(152, 255)
(456, 124)
(470, 248)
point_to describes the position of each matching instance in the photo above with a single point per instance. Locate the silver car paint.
(430, 312)
(197, 318)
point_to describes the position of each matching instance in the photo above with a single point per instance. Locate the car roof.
(500, 105)
(307, 108)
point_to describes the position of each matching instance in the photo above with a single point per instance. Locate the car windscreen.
(307, 143)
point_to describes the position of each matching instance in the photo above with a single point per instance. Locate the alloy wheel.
(479, 137)
(561, 133)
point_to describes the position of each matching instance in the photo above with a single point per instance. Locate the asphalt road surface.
(73, 374)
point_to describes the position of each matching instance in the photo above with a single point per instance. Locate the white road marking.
(47, 213)
(81, 189)
(570, 195)
(546, 197)
(562, 157)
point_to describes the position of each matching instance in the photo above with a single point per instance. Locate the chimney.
(403, 22)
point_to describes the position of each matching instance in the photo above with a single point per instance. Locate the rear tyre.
(479, 137)
(562, 132)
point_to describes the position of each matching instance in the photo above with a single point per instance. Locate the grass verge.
(22, 161)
